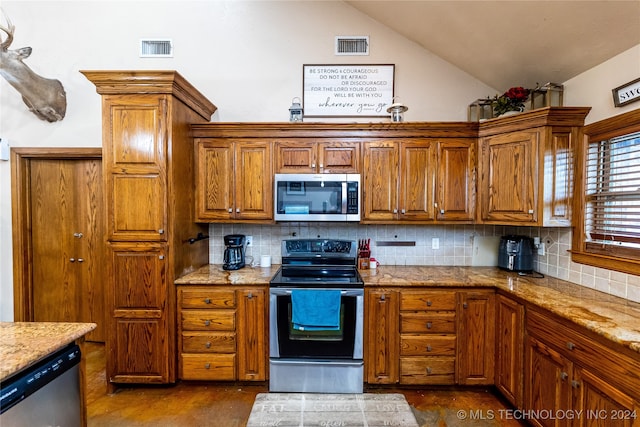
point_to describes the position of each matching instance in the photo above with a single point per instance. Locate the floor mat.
(346, 410)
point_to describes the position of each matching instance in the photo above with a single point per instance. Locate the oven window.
(328, 344)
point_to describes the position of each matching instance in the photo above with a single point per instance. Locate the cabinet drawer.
(206, 298)
(208, 320)
(427, 370)
(428, 345)
(428, 300)
(209, 342)
(434, 323)
(208, 367)
(616, 367)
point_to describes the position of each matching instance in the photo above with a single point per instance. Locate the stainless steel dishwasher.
(45, 394)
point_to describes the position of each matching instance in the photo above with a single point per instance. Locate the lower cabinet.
(429, 336)
(568, 372)
(222, 333)
(509, 366)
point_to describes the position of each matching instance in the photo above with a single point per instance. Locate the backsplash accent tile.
(456, 248)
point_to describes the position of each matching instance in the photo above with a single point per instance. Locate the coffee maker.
(234, 251)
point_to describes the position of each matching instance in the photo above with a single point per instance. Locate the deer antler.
(9, 29)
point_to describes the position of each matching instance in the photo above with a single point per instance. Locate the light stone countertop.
(615, 318)
(24, 343)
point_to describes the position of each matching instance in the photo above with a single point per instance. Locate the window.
(607, 220)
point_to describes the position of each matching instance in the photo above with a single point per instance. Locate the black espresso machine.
(515, 253)
(234, 251)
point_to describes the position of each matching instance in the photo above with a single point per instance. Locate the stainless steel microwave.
(317, 197)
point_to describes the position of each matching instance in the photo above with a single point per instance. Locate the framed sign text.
(627, 93)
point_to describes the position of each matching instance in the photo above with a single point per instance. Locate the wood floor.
(196, 404)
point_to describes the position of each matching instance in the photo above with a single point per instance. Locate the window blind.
(612, 211)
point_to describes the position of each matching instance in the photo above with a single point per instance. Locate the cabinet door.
(476, 337)
(380, 187)
(252, 329)
(214, 180)
(509, 349)
(509, 177)
(548, 377)
(338, 157)
(558, 177)
(135, 142)
(600, 403)
(141, 347)
(295, 157)
(253, 181)
(456, 187)
(417, 180)
(382, 347)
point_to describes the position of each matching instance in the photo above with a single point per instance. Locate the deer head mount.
(46, 98)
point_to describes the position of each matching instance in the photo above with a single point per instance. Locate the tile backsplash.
(455, 247)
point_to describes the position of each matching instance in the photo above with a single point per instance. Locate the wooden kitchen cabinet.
(222, 333)
(455, 181)
(509, 366)
(381, 336)
(301, 156)
(427, 337)
(525, 167)
(148, 166)
(568, 370)
(475, 360)
(234, 180)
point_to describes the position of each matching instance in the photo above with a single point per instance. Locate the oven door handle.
(343, 292)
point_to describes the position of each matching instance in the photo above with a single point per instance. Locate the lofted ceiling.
(514, 43)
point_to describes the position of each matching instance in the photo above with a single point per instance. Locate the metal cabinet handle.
(442, 211)
(161, 231)
(429, 347)
(208, 345)
(161, 257)
(78, 235)
(80, 259)
(207, 322)
(403, 211)
(250, 295)
(429, 370)
(207, 366)
(429, 325)
(207, 300)
(382, 297)
(429, 303)
(575, 384)
(395, 211)
(465, 305)
(72, 260)
(230, 210)
(570, 345)
(564, 376)
(313, 165)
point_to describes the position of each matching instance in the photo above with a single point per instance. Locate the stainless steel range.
(316, 316)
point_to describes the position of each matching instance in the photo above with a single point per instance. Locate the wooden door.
(381, 337)
(509, 177)
(510, 349)
(380, 181)
(252, 335)
(548, 377)
(456, 181)
(339, 157)
(214, 180)
(417, 180)
(295, 157)
(476, 337)
(254, 181)
(59, 237)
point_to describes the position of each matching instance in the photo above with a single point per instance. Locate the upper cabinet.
(300, 156)
(525, 169)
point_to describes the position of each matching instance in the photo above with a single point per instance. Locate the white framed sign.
(627, 93)
(347, 90)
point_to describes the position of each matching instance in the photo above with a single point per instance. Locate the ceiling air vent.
(352, 45)
(156, 48)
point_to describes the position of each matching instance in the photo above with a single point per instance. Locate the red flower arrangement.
(511, 100)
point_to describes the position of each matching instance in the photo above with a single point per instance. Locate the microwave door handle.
(344, 197)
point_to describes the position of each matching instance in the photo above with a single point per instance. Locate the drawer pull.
(208, 345)
(429, 303)
(250, 295)
(570, 345)
(429, 371)
(429, 347)
(564, 376)
(575, 384)
(382, 297)
(429, 325)
(207, 300)
(465, 305)
(207, 322)
(207, 366)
